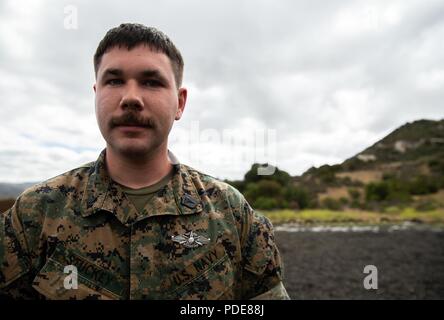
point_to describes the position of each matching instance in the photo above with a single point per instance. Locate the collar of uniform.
(178, 197)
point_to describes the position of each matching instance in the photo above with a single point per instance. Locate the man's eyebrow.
(112, 72)
(153, 73)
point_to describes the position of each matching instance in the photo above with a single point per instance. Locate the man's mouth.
(131, 127)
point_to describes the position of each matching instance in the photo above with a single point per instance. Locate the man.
(136, 224)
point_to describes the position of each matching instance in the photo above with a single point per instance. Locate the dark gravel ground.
(330, 265)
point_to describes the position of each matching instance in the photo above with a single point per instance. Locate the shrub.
(377, 191)
(354, 194)
(332, 204)
(343, 200)
(422, 185)
(426, 205)
(298, 195)
(390, 190)
(265, 203)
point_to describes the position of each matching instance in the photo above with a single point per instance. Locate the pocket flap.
(93, 281)
(208, 276)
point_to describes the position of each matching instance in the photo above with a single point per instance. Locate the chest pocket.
(93, 281)
(209, 276)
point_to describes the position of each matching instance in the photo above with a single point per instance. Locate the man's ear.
(182, 97)
(94, 87)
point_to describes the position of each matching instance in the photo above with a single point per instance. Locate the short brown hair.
(130, 35)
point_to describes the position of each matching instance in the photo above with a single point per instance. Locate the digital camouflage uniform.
(82, 218)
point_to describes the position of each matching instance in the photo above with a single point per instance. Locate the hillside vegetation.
(404, 170)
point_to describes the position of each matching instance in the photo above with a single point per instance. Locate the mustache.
(131, 119)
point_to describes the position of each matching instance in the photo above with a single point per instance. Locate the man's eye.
(152, 83)
(114, 82)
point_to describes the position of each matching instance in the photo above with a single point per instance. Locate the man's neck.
(137, 174)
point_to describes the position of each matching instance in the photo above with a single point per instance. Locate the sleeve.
(262, 273)
(14, 260)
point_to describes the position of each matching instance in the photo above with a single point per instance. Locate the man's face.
(137, 100)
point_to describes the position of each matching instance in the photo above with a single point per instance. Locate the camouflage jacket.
(197, 239)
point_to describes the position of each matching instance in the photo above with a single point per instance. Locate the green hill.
(419, 141)
(405, 168)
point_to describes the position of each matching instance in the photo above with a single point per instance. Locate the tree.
(377, 191)
(280, 176)
(422, 185)
(265, 190)
(297, 198)
(331, 204)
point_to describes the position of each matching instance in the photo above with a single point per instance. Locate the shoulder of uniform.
(209, 182)
(225, 196)
(218, 190)
(62, 182)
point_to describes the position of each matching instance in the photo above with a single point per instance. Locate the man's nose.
(132, 97)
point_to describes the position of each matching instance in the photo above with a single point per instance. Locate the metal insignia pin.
(190, 239)
(188, 201)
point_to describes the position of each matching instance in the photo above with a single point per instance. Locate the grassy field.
(354, 216)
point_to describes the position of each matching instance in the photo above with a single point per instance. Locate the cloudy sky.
(293, 83)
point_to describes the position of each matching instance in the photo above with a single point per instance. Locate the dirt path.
(329, 265)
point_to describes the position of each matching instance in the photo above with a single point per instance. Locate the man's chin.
(134, 150)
